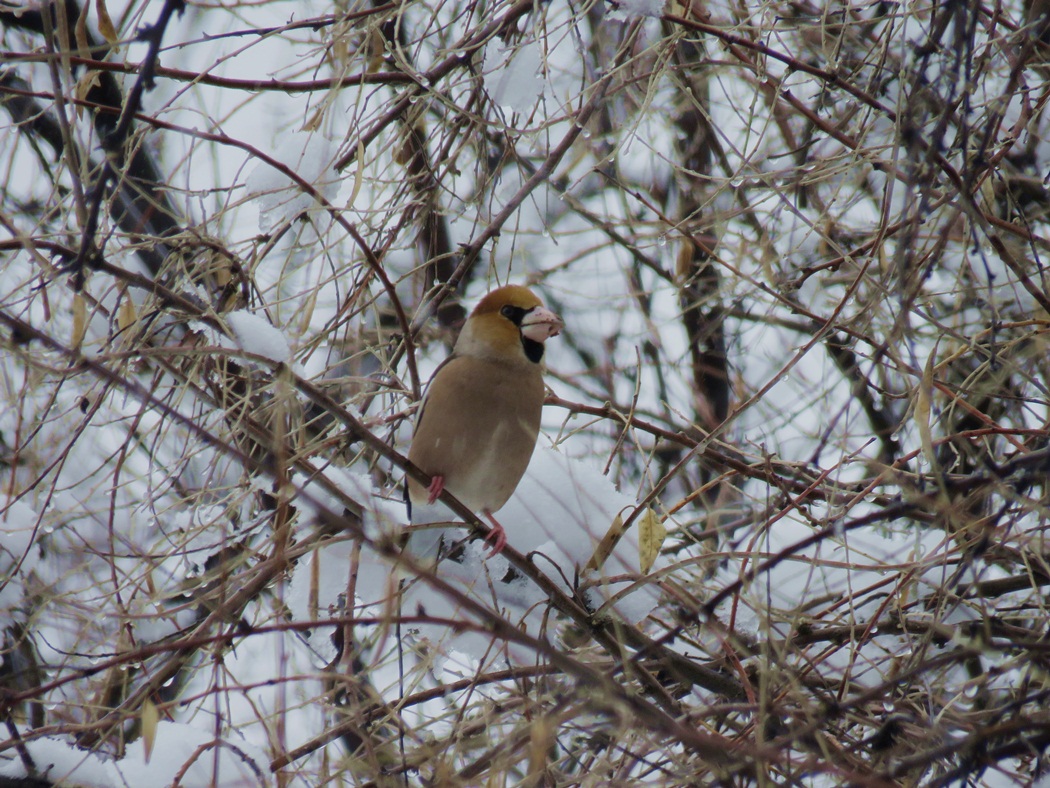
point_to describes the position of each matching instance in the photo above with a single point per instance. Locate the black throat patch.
(533, 349)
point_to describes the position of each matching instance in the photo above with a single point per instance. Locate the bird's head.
(507, 322)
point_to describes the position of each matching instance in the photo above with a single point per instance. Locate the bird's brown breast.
(494, 424)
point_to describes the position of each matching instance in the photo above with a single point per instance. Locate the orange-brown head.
(509, 322)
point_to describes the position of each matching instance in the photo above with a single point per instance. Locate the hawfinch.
(480, 416)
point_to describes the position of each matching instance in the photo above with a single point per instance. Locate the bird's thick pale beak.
(540, 324)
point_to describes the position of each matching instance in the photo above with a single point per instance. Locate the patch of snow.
(281, 199)
(622, 10)
(18, 524)
(255, 335)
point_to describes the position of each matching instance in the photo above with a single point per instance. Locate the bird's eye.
(513, 313)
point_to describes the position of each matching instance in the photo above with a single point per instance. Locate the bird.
(480, 416)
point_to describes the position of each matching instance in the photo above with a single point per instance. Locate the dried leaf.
(541, 737)
(79, 320)
(80, 33)
(685, 261)
(126, 315)
(377, 50)
(651, 535)
(307, 312)
(313, 123)
(606, 545)
(150, 719)
(339, 52)
(923, 397)
(89, 80)
(409, 145)
(359, 176)
(221, 271)
(105, 22)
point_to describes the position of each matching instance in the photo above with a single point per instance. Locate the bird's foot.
(437, 484)
(497, 536)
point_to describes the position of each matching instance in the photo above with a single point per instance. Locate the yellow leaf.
(105, 23)
(150, 719)
(651, 535)
(606, 545)
(79, 320)
(541, 737)
(126, 312)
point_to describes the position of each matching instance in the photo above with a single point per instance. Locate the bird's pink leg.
(437, 484)
(497, 536)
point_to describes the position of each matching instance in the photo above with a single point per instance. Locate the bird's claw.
(437, 484)
(497, 537)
